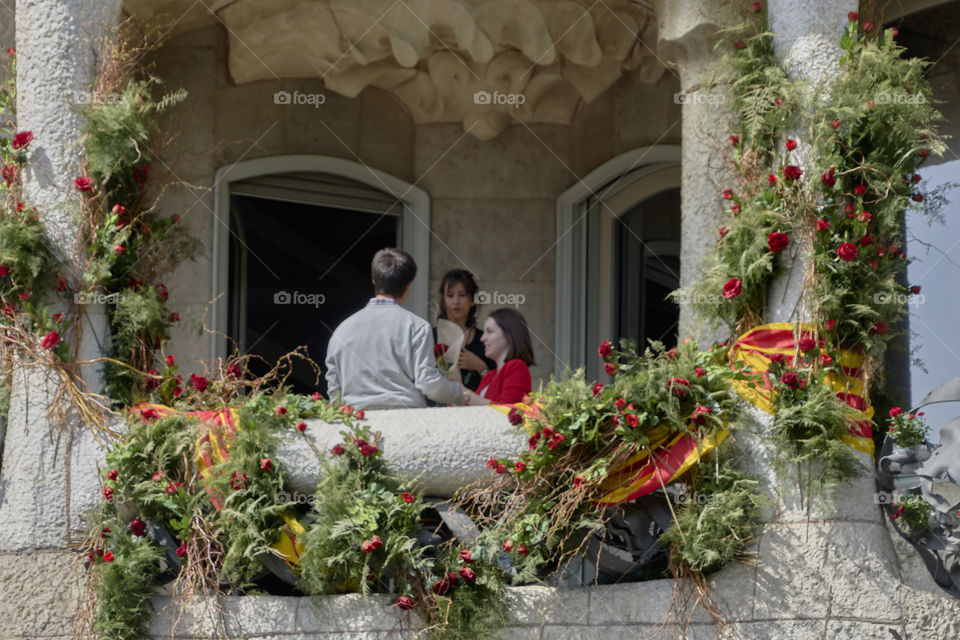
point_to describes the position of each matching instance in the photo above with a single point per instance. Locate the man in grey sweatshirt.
(381, 357)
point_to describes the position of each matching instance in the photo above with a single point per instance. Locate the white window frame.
(620, 183)
(414, 225)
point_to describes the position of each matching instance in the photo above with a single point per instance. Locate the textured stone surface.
(539, 606)
(40, 593)
(417, 443)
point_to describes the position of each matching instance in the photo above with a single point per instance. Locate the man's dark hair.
(392, 270)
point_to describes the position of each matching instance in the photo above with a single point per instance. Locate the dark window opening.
(296, 272)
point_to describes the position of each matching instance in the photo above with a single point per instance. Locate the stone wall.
(492, 202)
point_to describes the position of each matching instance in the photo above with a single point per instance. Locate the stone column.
(41, 497)
(687, 34)
(807, 43)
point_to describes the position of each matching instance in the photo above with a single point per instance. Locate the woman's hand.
(470, 361)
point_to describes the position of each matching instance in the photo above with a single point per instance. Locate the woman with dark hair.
(506, 340)
(458, 291)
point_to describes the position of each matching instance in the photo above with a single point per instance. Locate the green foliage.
(914, 511)
(907, 429)
(809, 423)
(711, 530)
(25, 252)
(117, 137)
(138, 315)
(124, 584)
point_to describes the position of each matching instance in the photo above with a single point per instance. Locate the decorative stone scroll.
(480, 62)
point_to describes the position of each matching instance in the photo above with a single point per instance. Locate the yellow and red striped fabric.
(212, 448)
(669, 455)
(757, 345)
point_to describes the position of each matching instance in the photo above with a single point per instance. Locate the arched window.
(292, 248)
(618, 255)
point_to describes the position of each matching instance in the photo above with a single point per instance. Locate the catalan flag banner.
(212, 448)
(670, 454)
(755, 347)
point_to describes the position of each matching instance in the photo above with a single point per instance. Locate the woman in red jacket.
(506, 340)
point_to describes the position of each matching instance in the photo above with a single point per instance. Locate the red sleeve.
(516, 382)
(485, 380)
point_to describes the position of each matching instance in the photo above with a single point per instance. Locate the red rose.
(508, 545)
(776, 357)
(605, 349)
(880, 328)
(835, 123)
(520, 466)
(915, 289)
(138, 528)
(112, 474)
(578, 481)
(492, 463)
(739, 44)
(733, 288)
(238, 481)
(108, 493)
(847, 251)
(280, 411)
(699, 414)
(859, 190)
(915, 178)
(83, 184)
(177, 391)
(25, 296)
(865, 216)
(620, 403)
(501, 468)
(735, 208)
(315, 396)
(405, 603)
(181, 550)
(157, 476)
(359, 414)
(822, 225)
(368, 547)
(734, 140)
(453, 577)
(533, 441)
(108, 557)
(791, 144)
(806, 344)
(917, 197)
(596, 389)
(440, 587)
(790, 379)
(266, 464)
(830, 324)
(515, 417)
(865, 240)
(337, 449)
(828, 178)
(757, 7)
(368, 450)
(407, 497)
(632, 420)
(467, 574)
(522, 549)
(792, 172)
(777, 241)
(465, 556)
(199, 382)
(700, 372)
(610, 368)
(895, 412)
(9, 173)
(439, 350)
(853, 16)
(170, 360)
(867, 26)
(119, 249)
(728, 194)
(376, 542)
(50, 340)
(678, 386)
(772, 179)
(22, 139)
(173, 487)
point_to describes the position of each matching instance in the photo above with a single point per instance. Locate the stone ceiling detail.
(479, 62)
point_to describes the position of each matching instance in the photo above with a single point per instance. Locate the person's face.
(457, 303)
(495, 341)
